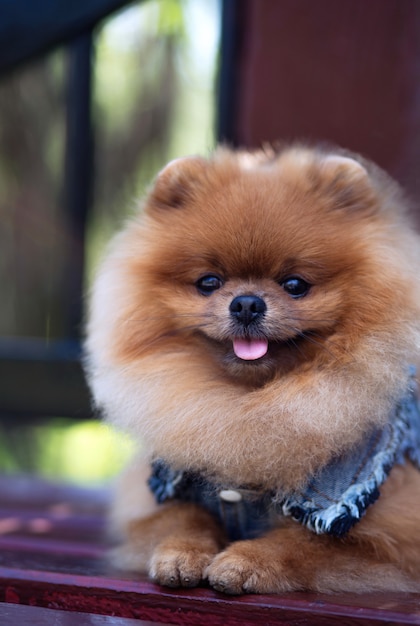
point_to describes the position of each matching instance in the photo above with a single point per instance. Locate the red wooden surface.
(341, 71)
(52, 556)
(20, 615)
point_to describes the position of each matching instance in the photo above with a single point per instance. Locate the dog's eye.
(209, 283)
(295, 286)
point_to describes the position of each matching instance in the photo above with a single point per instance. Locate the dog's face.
(260, 268)
(257, 303)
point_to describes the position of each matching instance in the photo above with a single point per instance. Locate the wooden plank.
(15, 614)
(46, 567)
(32, 491)
(344, 72)
(70, 582)
(142, 600)
(31, 507)
(54, 524)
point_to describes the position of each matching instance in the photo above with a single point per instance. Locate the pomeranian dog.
(256, 328)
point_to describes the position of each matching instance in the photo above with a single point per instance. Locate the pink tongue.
(250, 349)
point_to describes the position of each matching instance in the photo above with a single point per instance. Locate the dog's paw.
(244, 568)
(180, 565)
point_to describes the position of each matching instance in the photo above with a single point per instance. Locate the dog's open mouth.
(250, 349)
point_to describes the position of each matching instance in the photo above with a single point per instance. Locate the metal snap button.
(230, 495)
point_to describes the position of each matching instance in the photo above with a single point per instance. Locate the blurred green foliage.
(86, 452)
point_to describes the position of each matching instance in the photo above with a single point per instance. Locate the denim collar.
(331, 503)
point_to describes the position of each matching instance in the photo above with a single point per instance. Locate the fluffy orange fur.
(161, 362)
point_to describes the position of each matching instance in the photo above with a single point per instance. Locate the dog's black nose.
(247, 309)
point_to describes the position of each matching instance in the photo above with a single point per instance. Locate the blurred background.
(155, 65)
(342, 72)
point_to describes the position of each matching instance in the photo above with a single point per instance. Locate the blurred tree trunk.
(33, 235)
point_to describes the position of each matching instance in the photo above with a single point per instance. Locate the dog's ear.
(346, 167)
(176, 183)
(348, 182)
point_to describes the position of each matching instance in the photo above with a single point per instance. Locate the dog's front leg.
(294, 558)
(175, 545)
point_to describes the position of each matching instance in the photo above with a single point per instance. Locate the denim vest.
(332, 502)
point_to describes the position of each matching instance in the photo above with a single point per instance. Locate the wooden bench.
(53, 547)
